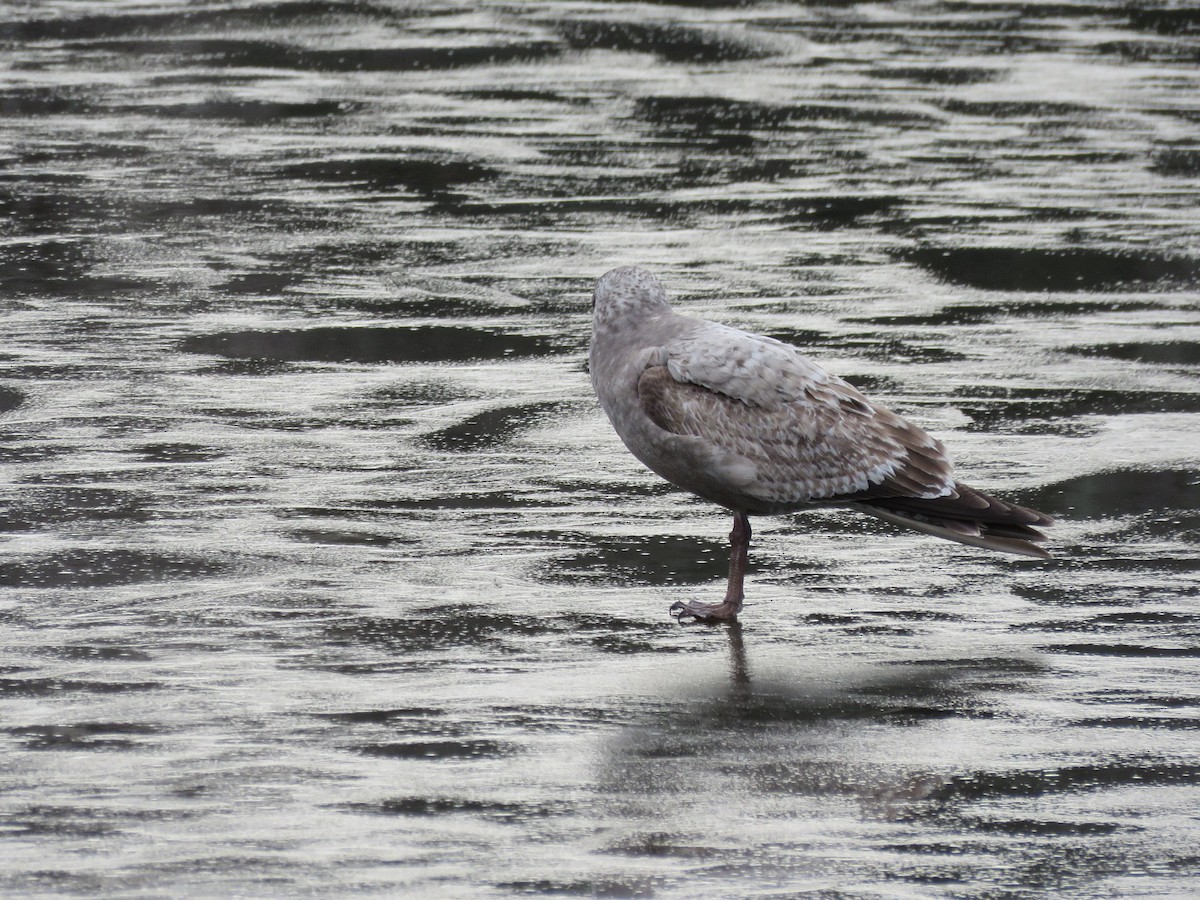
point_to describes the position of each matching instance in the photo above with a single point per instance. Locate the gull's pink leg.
(727, 610)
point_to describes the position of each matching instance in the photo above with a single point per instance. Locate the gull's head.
(627, 293)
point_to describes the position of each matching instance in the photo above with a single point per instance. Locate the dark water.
(322, 574)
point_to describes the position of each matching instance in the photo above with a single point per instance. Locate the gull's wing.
(811, 436)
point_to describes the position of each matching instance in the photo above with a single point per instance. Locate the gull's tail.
(969, 517)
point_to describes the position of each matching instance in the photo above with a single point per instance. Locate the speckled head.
(627, 293)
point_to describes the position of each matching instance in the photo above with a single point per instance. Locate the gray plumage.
(752, 424)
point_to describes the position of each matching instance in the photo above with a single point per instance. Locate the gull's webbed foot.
(710, 613)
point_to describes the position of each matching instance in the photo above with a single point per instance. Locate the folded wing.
(813, 438)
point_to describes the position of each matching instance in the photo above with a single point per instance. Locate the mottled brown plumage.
(752, 424)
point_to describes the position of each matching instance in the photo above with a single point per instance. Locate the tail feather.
(968, 517)
(965, 503)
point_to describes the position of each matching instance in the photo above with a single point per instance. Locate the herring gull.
(751, 424)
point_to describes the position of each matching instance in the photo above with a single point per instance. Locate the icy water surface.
(322, 574)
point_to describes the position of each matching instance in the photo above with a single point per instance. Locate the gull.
(753, 425)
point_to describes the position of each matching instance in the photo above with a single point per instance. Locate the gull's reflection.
(798, 737)
(739, 670)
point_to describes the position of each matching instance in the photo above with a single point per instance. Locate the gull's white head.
(627, 293)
